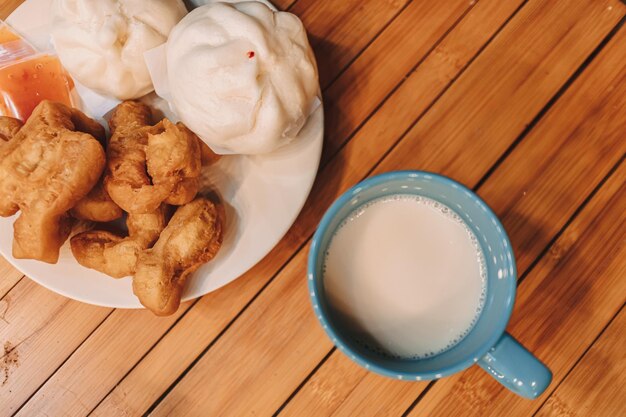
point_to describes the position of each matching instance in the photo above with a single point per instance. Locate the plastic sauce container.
(28, 77)
(26, 83)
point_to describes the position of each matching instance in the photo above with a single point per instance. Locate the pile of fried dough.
(58, 168)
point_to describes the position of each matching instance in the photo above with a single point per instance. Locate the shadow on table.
(340, 87)
(527, 235)
(530, 241)
(328, 183)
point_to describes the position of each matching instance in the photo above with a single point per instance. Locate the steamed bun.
(101, 42)
(241, 76)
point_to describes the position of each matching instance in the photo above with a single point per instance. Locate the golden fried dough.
(8, 128)
(126, 179)
(114, 255)
(173, 157)
(52, 162)
(148, 165)
(192, 237)
(97, 206)
(184, 192)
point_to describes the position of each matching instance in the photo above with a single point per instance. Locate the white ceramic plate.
(262, 194)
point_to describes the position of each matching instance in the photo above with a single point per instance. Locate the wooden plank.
(348, 26)
(560, 309)
(603, 97)
(423, 85)
(596, 384)
(545, 41)
(359, 90)
(9, 276)
(126, 333)
(342, 388)
(575, 155)
(7, 7)
(177, 350)
(586, 124)
(284, 4)
(273, 351)
(42, 332)
(263, 356)
(370, 397)
(107, 349)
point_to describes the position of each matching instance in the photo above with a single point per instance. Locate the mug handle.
(516, 368)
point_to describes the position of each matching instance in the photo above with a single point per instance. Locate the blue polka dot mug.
(487, 344)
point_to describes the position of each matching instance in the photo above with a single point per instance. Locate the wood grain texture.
(280, 353)
(506, 86)
(283, 4)
(575, 155)
(422, 86)
(43, 331)
(359, 394)
(7, 7)
(127, 334)
(598, 95)
(10, 277)
(263, 358)
(343, 28)
(272, 353)
(391, 56)
(559, 310)
(134, 394)
(595, 387)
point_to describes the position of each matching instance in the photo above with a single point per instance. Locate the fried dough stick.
(46, 167)
(148, 165)
(115, 255)
(8, 128)
(97, 206)
(192, 237)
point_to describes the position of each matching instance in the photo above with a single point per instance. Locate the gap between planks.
(601, 334)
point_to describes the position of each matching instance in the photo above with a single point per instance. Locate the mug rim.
(338, 339)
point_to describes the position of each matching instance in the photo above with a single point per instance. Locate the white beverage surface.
(407, 275)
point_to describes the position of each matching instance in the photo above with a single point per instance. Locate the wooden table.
(524, 101)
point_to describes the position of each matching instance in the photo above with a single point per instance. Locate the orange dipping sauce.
(7, 35)
(26, 83)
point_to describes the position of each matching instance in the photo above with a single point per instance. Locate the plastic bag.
(12, 46)
(27, 77)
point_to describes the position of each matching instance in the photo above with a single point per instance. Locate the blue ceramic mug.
(487, 344)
